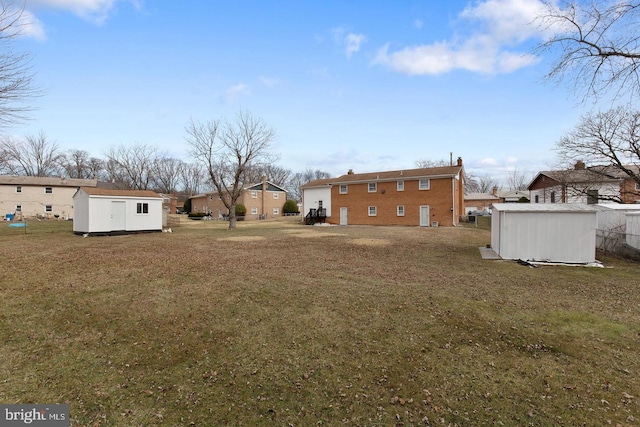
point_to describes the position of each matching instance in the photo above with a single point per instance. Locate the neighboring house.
(262, 200)
(101, 211)
(421, 197)
(591, 185)
(30, 196)
(514, 196)
(480, 201)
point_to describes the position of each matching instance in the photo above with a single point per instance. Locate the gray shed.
(544, 232)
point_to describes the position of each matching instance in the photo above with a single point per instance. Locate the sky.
(363, 85)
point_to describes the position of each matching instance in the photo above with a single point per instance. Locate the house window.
(592, 197)
(553, 197)
(254, 194)
(48, 190)
(400, 186)
(343, 188)
(276, 211)
(18, 208)
(276, 195)
(400, 210)
(19, 189)
(373, 187)
(424, 184)
(537, 199)
(637, 186)
(254, 211)
(48, 208)
(143, 208)
(373, 211)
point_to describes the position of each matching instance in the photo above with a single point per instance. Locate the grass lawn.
(292, 325)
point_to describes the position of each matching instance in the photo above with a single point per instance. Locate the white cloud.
(269, 82)
(498, 25)
(418, 24)
(232, 93)
(96, 11)
(350, 41)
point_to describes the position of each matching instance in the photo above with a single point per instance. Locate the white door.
(424, 216)
(343, 216)
(118, 213)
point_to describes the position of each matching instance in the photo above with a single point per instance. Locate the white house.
(544, 232)
(106, 211)
(316, 194)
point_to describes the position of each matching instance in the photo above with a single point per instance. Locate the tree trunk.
(232, 217)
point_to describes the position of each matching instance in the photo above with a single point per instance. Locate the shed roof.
(94, 191)
(544, 207)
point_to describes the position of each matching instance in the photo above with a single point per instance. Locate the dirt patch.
(370, 242)
(243, 238)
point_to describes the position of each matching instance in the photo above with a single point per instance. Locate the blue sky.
(363, 85)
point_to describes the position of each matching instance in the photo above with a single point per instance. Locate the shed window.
(343, 188)
(19, 189)
(400, 186)
(373, 211)
(373, 187)
(400, 210)
(48, 208)
(48, 190)
(424, 184)
(142, 208)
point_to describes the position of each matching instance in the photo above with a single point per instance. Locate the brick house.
(262, 200)
(583, 184)
(44, 197)
(418, 197)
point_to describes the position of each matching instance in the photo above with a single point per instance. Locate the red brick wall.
(439, 198)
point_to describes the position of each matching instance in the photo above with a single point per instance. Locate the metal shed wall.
(633, 230)
(544, 234)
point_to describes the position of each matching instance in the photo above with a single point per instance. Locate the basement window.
(142, 208)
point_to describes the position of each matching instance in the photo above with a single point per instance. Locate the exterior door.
(343, 216)
(118, 215)
(424, 216)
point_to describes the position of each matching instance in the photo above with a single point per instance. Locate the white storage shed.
(99, 211)
(544, 232)
(633, 229)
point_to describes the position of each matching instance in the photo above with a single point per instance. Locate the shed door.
(424, 216)
(343, 216)
(118, 214)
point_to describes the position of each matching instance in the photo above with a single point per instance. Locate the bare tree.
(427, 163)
(609, 140)
(485, 184)
(167, 174)
(517, 180)
(16, 79)
(132, 167)
(193, 178)
(79, 164)
(298, 179)
(597, 46)
(273, 173)
(34, 156)
(227, 149)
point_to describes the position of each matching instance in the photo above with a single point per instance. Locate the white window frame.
(373, 211)
(637, 186)
(276, 211)
(18, 208)
(142, 208)
(400, 210)
(254, 194)
(254, 211)
(276, 195)
(372, 187)
(48, 208)
(400, 185)
(344, 188)
(19, 188)
(424, 186)
(48, 190)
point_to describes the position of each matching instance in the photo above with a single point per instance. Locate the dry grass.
(291, 325)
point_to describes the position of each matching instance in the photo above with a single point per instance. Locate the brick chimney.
(459, 161)
(494, 191)
(579, 166)
(350, 172)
